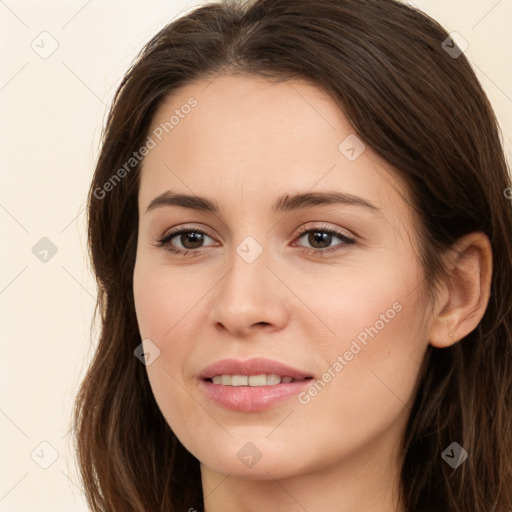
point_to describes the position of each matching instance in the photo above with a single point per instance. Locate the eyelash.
(164, 241)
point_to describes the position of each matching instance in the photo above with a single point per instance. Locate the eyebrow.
(285, 203)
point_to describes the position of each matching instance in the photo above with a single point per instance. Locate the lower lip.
(252, 398)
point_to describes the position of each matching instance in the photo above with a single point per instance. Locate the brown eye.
(191, 239)
(184, 240)
(321, 240)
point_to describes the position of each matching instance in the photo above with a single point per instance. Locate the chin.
(247, 462)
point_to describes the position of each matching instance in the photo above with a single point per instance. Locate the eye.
(320, 237)
(188, 240)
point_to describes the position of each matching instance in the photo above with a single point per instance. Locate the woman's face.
(308, 262)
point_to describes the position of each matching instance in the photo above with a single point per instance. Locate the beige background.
(51, 113)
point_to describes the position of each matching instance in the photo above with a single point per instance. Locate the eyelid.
(322, 226)
(303, 229)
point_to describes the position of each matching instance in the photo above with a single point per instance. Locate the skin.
(247, 142)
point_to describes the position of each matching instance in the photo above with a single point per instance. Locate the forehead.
(249, 140)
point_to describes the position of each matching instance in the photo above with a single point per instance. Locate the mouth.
(252, 385)
(253, 380)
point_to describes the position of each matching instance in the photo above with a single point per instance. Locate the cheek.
(163, 297)
(375, 340)
(168, 308)
(365, 297)
(161, 305)
(376, 360)
(366, 388)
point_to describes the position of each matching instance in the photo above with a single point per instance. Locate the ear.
(464, 295)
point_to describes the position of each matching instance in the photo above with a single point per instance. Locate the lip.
(252, 398)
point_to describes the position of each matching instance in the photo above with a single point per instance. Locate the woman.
(301, 236)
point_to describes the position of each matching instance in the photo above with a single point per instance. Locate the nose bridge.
(249, 292)
(249, 274)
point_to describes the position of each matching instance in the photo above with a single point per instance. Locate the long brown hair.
(421, 108)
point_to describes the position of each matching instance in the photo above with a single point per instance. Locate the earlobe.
(465, 294)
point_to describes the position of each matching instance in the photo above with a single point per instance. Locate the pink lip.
(251, 398)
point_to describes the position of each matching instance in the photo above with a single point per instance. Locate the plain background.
(52, 109)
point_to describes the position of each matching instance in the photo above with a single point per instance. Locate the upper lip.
(253, 366)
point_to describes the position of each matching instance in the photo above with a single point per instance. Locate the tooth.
(226, 380)
(251, 380)
(258, 380)
(240, 380)
(273, 379)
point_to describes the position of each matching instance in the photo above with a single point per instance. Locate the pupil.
(319, 237)
(195, 238)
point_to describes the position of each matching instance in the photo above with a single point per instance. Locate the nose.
(250, 297)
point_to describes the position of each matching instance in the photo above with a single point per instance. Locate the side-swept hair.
(426, 114)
